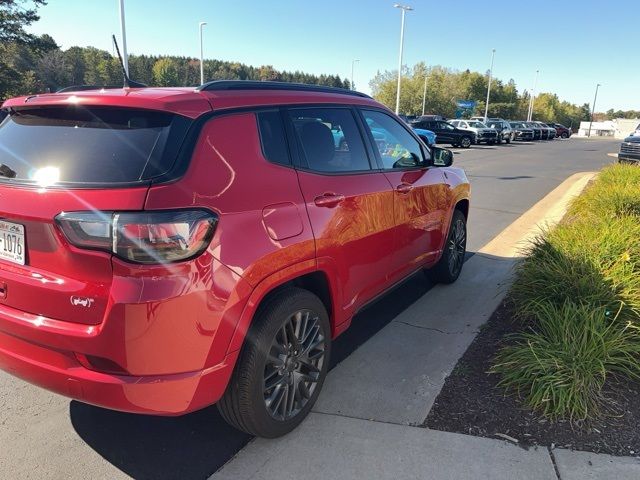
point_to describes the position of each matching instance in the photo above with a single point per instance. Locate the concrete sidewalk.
(367, 422)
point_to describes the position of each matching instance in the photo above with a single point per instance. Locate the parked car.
(548, 133)
(522, 131)
(422, 118)
(165, 249)
(538, 132)
(445, 132)
(426, 135)
(408, 118)
(503, 128)
(481, 133)
(561, 130)
(630, 150)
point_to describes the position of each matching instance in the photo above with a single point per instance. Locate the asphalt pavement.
(43, 435)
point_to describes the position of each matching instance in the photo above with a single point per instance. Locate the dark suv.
(630, 150)
(164, 249)
(505, 132)
(446, 133)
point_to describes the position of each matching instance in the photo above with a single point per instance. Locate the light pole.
(123, 31)
(593, 109)
(404, 9)
(531, 98)
(486, 107)
(200, 25)
(424, 94)
(352, 64)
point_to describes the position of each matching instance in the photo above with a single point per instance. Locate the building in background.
(617, 128)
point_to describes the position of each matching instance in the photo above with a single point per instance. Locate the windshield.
(85, 145)
(477, 125)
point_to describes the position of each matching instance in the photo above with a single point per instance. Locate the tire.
(299, 369)
(465, 142)
(564, 135)
(499, 140)
(491, 142)
(508, 140)
(448, 268)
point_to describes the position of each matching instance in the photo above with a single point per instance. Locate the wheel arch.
(463, 206)
(304, 275)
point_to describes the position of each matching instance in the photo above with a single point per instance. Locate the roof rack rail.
(81, 88)
(218, 85)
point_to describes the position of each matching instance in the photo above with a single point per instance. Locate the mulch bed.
(471, 403)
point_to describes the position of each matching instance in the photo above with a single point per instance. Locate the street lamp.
(352, 63)
(200, 25)
(593, 109)
(486, 107)
(125, 57)
(531, 98)
(404, 9)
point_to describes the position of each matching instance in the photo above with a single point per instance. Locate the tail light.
(141, 237)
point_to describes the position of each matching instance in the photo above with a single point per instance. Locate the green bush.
(615, 193)
(560, 366)
(579, 288)
(595, 262)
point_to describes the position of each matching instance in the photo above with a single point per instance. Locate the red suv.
(164, 249)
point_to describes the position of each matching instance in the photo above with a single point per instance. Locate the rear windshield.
(96, 145)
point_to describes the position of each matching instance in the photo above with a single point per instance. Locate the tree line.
(44, 67)
(445, 87)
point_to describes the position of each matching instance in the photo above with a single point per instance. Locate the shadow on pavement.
(198, 444)
(146, 447)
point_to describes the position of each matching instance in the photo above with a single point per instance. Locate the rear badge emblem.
(81, 301)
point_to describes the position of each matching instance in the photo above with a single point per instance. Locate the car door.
(350, 204)
(420, 196)
(446, 133)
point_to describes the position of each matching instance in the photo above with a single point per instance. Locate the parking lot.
(47, 436)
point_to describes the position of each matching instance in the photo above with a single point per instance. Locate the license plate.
(12, 242)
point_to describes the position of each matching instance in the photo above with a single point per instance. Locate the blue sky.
(574, 44)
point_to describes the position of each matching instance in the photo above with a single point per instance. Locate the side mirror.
(441, 157)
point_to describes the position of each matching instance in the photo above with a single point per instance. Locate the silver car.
(482, 133)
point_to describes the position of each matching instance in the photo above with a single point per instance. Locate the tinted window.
(329, 139)
(397, 147)
(445, 126)
(88, 145)
(272, 137)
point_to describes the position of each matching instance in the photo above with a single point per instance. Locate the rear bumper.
(162, 348)
(168, 395)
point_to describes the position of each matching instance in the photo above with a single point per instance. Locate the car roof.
(193, 102)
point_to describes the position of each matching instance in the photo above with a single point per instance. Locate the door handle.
(328, 200)
(404, 188)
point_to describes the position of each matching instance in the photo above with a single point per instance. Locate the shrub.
(615, 193)
(561, 365)
(595, 262)
(579, 288)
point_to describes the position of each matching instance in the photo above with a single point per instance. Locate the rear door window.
(329, 140)
(94, 145)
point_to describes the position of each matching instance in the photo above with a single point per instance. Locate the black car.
(630, 150)
(522, 131)
(537, 130)
(445, 132)
(505, 133)
(549, 133)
